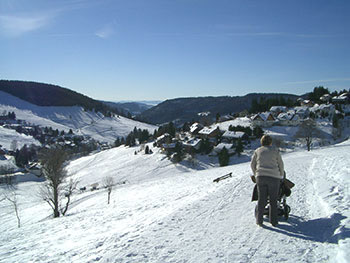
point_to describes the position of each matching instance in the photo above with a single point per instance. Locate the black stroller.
(282, 208)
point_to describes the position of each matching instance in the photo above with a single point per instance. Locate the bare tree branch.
(68, 192)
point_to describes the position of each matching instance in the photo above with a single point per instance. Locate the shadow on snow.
(324, 230)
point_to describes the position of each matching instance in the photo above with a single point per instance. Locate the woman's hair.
(266, 140)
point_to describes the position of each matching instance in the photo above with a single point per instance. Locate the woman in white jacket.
(268, 170)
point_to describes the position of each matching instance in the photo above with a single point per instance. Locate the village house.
(264, 119)
(163, 139)
(195, 128)
(289, 118)
(326, 98)
(209, 132)
(276, 110)
(229, 147)
(302, 111)
(306, 103)
(326, 109)
(231, 136)
(343, 98)
(192, 145)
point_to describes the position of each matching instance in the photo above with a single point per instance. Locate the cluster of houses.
(192, 140)
(48, 137)
(281, 115)
(277, 115)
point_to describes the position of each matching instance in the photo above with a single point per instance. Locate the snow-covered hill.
(81, 122)
(175, 213)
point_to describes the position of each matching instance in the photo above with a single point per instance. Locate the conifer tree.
(224, 157)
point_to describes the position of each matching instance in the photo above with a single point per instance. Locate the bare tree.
(108, 183)
(12, 198)
(308, 131)
(55, 188)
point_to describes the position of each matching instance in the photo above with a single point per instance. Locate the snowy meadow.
(165, 212)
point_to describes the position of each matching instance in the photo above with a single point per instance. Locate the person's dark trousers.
(267, 187)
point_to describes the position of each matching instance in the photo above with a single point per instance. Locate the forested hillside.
(42, 94)
(187, 109)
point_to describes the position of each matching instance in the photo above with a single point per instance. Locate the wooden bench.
(222, 178)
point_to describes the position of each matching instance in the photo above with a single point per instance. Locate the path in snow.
(220, 227)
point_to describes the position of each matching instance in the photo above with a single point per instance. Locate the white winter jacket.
(267, 161)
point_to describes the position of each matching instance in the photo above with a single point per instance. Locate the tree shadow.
(323, 230)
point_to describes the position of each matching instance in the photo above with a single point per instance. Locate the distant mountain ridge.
(181, 110)
(134, 108)
(178, 110)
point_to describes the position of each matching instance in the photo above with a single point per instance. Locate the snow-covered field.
(81, 122)
(175, 213)
(7, 137)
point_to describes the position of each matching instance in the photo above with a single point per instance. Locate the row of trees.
(139, 135)
(265, 104)
(9, 115)
(143, 136)
(318, 92)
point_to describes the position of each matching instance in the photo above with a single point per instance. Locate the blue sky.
(162, 49)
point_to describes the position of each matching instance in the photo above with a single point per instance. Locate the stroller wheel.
(286, 212)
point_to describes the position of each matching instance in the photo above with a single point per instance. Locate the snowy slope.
(7, 136)
(173, 213)
(64, 118)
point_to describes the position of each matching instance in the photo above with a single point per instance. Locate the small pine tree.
(258, 132)
(179, 154)
(335, 121)
(224, 157)
(117, 142)
(239, 147)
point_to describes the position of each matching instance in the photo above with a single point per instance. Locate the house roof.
(208, 130)
(278, 109)
(192, 142)
(163, 136)
(285, 116)
(323, 107)
(288, 116)
(195, 126)
(263, 116)
(233, 134)
(341, 97)
(220, 146)
(325, 97)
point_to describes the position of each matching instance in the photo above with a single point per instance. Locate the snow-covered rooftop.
(233, 134)
(208, 130)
